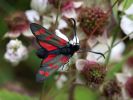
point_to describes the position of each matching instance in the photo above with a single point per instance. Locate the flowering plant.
(105, 27)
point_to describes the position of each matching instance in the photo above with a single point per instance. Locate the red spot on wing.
(60, 41)
(50, 57)
(53, 66)
(49, 47)
(50, 37)
(44, 73)
(40, 31)
(64, 59)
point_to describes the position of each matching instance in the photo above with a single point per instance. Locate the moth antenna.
(98, 53)
(82, 50)
(74, 28)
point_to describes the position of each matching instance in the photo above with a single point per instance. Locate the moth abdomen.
(42, 53)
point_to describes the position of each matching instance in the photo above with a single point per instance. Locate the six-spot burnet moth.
(55, 49)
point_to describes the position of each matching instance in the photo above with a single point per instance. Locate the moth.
(55, 49)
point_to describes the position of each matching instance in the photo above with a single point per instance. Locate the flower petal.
(122, 78)
(127, 26)
(47, 21)
(39, 5)
(12, 34)
(71, 13)
(129, 11)
(28, 33)
(80, 63)
(116, 53)
(62, 24)
(77, 4)
(15, 52)
(32, 15)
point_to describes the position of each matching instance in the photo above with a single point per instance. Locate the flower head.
(40, 6)
(129, 86)
(92, 72)
(130, 61)
(18, 24)
(15, 52)
(110, 92)
(90, 18)
(68, 7)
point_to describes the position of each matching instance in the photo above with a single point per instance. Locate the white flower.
(40, 5)
(80, 63)
(77, 4)
(32, 15)
(116, 53)
(127, 26)
(60, 81)
(15, 52)
(28, 33)
(49, 20)
(122, 79)
(125, 7)
(69, 10)
(127, 72)
(62, 24)
(71, 13)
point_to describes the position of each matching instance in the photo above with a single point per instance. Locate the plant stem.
(110, 47)
(116, 44)
(58, 12)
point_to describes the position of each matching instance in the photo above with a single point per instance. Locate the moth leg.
(63, 67)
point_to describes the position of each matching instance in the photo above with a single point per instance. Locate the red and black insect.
(56, 49)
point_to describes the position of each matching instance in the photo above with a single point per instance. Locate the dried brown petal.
(17, 22)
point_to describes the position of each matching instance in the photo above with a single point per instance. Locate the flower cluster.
(92, 72)
(15, 52)
(93, 20)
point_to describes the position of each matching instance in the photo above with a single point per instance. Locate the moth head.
(76, 47)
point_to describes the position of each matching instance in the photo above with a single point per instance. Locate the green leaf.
(62, 96)
(7, 95)
(83, 93)
(33, 61)
(126, 4)
(115, 10)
